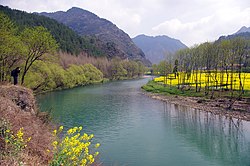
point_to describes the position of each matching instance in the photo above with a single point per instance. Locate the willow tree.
(11, 47)
(39, 42)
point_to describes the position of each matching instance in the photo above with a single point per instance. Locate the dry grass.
(101, 63)
(21, 115)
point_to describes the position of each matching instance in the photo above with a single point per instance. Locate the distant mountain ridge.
(106, 35)
(156, 48)
(243, 32)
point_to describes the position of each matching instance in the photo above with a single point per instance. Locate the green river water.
(135, 130)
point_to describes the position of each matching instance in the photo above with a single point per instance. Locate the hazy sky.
(191, 21)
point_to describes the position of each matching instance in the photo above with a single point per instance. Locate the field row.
(216, 80)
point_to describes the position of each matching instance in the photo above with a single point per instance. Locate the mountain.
(244, 33)
(68, 40)
(156, 48)
(243, 30)
(106, 35)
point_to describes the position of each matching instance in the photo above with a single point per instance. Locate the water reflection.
(216, 136)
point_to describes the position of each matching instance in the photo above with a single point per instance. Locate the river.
(135, 130)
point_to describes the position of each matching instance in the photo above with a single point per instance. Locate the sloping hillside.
(106, 35)
(68, 40)
(243, 32)
(157, 48)
(18, 110)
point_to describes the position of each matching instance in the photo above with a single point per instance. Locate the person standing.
(14, 74)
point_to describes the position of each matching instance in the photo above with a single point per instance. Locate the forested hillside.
(103, 33)
(68, 40)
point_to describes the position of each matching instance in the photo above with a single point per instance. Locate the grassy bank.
(220, 102)
(155, 87)
(159, 87)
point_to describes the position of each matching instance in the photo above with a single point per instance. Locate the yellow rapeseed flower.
(60, 128)
(28, 139)
(84, 161)
(20, 133)
(55, 143)
(54, 132)
(96, 153)
(97, 145)
(70, 131)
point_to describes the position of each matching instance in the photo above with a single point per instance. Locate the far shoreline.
(212, 106)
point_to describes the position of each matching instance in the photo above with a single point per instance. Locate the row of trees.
(114, 69)
(44, 76)
(222, 63)
(123, 69)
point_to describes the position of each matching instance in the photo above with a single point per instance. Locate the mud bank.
(240, 109)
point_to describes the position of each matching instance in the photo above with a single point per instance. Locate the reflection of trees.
(215, 136)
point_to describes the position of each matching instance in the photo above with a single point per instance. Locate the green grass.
(157, 87)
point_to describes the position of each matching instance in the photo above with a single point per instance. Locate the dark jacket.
(15, 72)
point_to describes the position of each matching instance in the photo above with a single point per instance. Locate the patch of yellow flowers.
(202, 78)
(16, 142)
(74, 149)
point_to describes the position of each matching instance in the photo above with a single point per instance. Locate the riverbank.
(19, 114)
(218, 106)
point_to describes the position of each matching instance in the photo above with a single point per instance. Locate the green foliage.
(92, 74)
(76, 76)
(11, 47)
(46, 76)
(155, 87)
(126, 69)
(40, 77)
(117, 70)
(39, 42)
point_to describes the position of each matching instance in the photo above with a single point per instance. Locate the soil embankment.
(240, 109)
(18, 109)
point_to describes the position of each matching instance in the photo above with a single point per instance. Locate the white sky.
(191, 21)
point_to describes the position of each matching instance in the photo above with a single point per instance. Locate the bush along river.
(136, 130)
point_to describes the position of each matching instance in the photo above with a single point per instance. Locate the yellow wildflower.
(96, 153)
(70, 131)
(28, 139)
(20, 133)
(60, 128)
(55, 143)
(84, 161)
(54, 132)
(80, 128)
(97, 145)
(91, 136)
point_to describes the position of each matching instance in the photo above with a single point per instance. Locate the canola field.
(219, 80)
